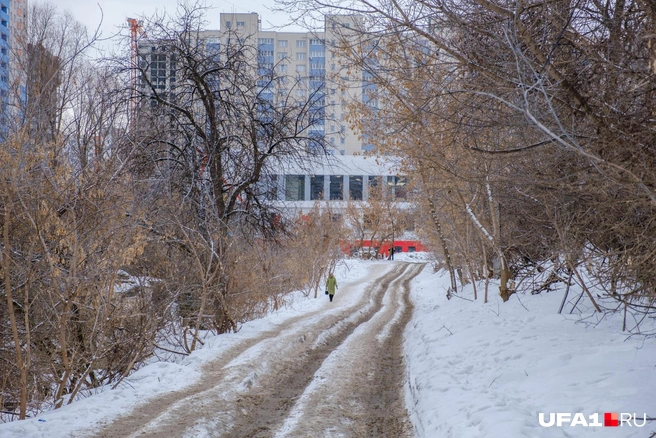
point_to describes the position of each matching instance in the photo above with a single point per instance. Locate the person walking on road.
(331, 285)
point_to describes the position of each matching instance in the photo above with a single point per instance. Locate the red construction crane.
(136, 30)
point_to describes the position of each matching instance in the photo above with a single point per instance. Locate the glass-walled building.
(335, 182)
(13, 22)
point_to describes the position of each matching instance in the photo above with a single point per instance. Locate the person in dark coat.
(331, 285)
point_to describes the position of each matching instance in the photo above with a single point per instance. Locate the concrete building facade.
(310, 61)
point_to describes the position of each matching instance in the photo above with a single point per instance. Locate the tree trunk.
(445, 247)
(199, 319)
(12, 318)
(504, 276)
(486, 272)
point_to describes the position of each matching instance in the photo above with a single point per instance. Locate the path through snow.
(336, 372)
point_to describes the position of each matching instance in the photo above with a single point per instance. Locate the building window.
(355, 188)
(398, 187)
(336, 187)
(241, 24)
(282, 55)
(300, 43)
(270, 187)
(282, 43)
(295, 187)
(300, 56)
(374, 181)
(316, 187)
(282, 68)
(228, 24)
(300, 68)
(316, 42)
(265, 40)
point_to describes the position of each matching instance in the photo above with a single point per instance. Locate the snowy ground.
(488, 370)
(474, 369)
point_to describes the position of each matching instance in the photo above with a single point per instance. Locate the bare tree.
(378, 220)
(209, 139)
(70, 225)
(554, 98)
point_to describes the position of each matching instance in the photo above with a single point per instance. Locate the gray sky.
(116, 11)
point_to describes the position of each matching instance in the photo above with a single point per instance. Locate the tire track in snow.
(299, 372)
(223, 378)
(358, 390)
(249, 390)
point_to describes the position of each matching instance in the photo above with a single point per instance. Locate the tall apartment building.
(309, 59)
(316, 74)
(314, 58)
(13, 14)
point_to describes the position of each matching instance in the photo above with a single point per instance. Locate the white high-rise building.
(313, 57)
(306, 66)
(310, 60)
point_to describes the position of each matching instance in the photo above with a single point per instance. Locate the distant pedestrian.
(391, 253)
(331, 285)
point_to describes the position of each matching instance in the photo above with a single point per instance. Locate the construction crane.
(136, 30)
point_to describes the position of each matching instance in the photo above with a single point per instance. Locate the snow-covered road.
(335, 371)
(313, 368)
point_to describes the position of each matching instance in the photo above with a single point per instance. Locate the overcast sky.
(115, 12)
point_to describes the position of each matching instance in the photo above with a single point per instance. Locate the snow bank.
(487, 370)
